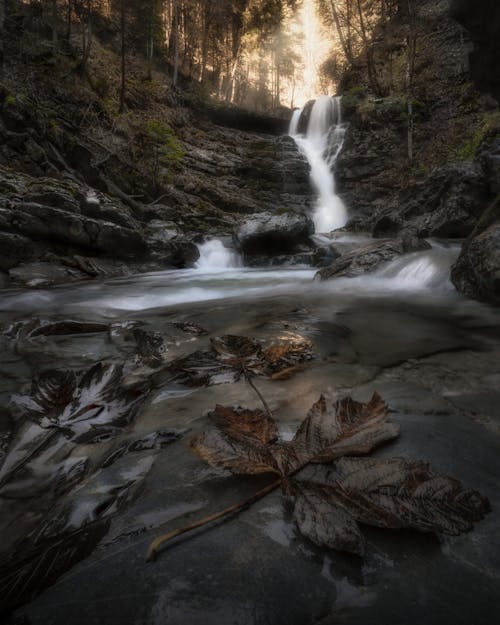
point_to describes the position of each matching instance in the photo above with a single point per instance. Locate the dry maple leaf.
(331, 502)
(232, 357)
(328, 432)
(388, 493)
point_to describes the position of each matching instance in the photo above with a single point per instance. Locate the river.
(403, 331)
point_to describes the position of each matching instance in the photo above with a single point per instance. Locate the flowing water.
(402, 331)
(214, 256)
(321, 145)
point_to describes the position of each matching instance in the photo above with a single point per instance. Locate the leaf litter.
(344, 490)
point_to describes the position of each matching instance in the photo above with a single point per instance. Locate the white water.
(215, 257)
(425, 274)
(321, 146)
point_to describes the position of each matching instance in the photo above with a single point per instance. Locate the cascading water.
(215, 257)
(321, 146)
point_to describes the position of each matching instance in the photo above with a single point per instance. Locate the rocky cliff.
(87, 191)
(424, 156)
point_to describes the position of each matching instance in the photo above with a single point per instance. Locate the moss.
(165, 148)
(352, 98)
(10, 100)
(488, 125)
(282, 210)
(111, 107)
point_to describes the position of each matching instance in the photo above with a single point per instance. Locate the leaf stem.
(158, 543)
(261, 397)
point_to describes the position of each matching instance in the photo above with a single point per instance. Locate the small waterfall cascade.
(321, 145)
(422, 270)
(215, 257)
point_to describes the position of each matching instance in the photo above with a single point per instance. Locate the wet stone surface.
(433, 356)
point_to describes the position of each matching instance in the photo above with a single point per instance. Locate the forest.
(249, 312)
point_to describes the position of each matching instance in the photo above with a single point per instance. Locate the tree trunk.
(175, 79)
(343, 41)
(2, 36)
(205, 39)
(86, 36)
(123, 66)
(53, 19)
(68, 18)
(370, 61)
(410, 70)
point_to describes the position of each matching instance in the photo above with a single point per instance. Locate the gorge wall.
(454, 172)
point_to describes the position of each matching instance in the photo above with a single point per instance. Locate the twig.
(164, 538)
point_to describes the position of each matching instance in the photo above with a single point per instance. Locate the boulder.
(267, 234)
(477, 270)
(167, 247)
(371, 257)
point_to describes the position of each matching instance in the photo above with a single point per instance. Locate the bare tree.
(410, 71)
(2, 35)
(123, 82)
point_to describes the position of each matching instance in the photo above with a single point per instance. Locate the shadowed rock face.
(482, 20)
(267, 234)
(477, 271)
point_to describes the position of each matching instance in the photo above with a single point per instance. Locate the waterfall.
(321, 146)
(215, 257)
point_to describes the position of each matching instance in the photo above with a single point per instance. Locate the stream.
(84, 492)
(402, 331)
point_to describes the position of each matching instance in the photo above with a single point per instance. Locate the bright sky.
(312, 46)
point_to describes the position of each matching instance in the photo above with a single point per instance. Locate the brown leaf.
(397, 493)
(240, 454)
(232, 356)
(241, 421)
(329, 432)
(324, 522)
(286, 353)
(244, 437)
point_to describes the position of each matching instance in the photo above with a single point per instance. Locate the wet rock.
(269, 234)
(44, 274)
(448, 203)
(477, 270)
(304, 117)
(490, 160)
(166, 246)
(17, 249)
(371, 257)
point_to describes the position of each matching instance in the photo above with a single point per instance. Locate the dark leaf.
(241, 441)
(240, 421)
(25, 575)
(284, 355)
(238, 453)
(395, 493)
(344, 428)
(51, 391)
(98, 402)
(245, 441)
(151, 347)
(62, 328)
(232, 356)
(190, 328)
(323, 521)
